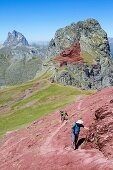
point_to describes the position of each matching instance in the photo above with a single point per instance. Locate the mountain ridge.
(96, 69)
(23, 61)
(39, 100)
(92, 68)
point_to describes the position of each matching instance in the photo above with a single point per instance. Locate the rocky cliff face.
(81, 55)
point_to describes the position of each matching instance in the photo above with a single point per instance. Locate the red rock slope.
(70, 55)
(46, 143)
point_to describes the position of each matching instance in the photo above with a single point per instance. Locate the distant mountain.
(15, 39)
(40, 43)
(111, 45)
(42, 47)
(18, 47)
(19, 61)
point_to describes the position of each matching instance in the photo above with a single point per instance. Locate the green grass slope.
(22, 104)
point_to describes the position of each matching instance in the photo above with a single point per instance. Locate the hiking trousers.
(75, 138)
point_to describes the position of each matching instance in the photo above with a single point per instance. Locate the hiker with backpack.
(75, 132)
(63, 115)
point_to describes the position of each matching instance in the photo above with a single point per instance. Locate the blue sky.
(39, 19)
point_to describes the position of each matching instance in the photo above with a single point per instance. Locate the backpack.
(76, 129)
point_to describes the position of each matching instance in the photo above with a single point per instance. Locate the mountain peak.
(82, 45)
(15, 39)
(15, 33)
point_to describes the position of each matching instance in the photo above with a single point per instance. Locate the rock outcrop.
(70, 55)
(87, 43)
(100, 133)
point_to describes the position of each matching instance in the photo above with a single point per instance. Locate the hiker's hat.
(79, 122)
(61, 111)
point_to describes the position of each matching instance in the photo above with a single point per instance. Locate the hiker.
(64, 115)
(75, 132)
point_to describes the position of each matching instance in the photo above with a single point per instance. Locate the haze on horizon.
(39, 20)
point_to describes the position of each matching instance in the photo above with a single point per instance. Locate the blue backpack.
(76, 129)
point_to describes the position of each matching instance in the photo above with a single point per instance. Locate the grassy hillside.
(20, 105)
(87, 57)
(4, 64)
(23, 70)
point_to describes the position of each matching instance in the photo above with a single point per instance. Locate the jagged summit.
(15, 39)
(19, 61)
(89, 33)
(82, 50)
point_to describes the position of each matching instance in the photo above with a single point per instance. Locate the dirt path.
(47, 147)
(79, 105)
(46, 144)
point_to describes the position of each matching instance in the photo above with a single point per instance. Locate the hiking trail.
(46, 143)
(47, 147)
(79, 105)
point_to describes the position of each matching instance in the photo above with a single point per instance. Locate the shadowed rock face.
(46, 143)
(95, 67)
(101, 131)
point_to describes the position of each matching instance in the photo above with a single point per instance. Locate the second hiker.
(63, 115)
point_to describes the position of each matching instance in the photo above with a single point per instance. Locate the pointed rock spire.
(15, 39)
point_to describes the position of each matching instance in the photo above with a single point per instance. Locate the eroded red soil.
(46, 143)
(70, 55)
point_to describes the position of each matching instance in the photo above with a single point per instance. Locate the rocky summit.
(15, 39)
(80, 55)
(19, 62)
(17, 46)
